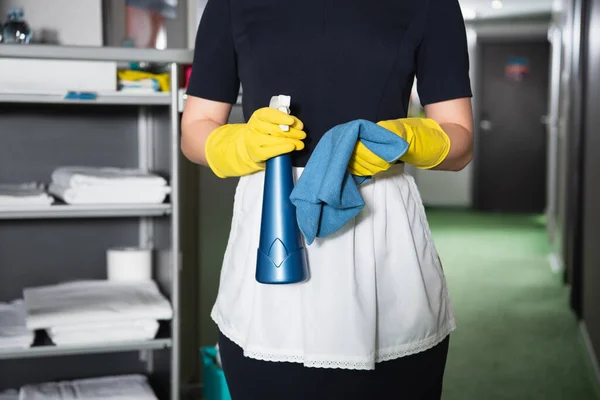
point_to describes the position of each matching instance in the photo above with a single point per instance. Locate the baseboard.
(191, 392)
(591, 354)
(556, 264)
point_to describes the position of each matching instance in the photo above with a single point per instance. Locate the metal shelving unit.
(85, 211)
(40, 132)
(53, 351)
(158, 99)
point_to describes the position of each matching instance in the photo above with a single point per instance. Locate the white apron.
(376, 290)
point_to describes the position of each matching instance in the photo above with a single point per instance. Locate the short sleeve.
(214, 73)
(443, 56)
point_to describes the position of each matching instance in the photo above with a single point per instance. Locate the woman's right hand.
(242, 149)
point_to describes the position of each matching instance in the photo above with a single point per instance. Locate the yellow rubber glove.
(242, 149)
(428, 147)
(363, 162)
(428, 144)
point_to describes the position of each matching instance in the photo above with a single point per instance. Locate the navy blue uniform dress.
(339, 60)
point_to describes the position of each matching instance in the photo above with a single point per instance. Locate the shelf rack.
(32, 127)
(50, 350)
(85, 211)
(156, 99)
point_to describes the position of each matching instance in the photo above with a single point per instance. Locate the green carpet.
(516, 337)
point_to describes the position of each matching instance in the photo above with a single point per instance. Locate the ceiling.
(485, 9)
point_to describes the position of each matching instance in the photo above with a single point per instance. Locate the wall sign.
(516, 68)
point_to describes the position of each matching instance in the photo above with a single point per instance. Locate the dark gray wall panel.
(34, 139)
(591, 184)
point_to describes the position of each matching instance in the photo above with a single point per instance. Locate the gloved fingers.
(297, 123)
(358, 170)
(276, 150)
(368, 158)
(268, 128)
(369, 166)
(266, 141)
(364, 168)
(292, 133)
(272, 116)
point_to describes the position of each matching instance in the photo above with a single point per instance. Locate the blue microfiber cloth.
(326, 195)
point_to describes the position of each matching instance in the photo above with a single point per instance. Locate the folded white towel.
(26, 194)
(147, 84)
(65, 335)
(10, 394)
(24, 186)
(13, 329)
(102, 336)
(127, 387)
(110, 195)
(139, 90)
(76, 176)
(82, 302)
(143, 324)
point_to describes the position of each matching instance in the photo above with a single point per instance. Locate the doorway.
(511, 148)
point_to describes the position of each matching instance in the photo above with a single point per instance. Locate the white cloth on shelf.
(94, 301)
(143, 324)
(109, 332)
(25, 194)
(144, 194)
(10, 394)
(126, 387)
(146, 85)
(78, 176)
(13, 330)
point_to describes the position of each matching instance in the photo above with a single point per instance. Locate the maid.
(373, 321)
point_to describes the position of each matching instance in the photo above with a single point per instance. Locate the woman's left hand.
(364, 162)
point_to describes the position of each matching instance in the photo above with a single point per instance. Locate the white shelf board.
(113, 98)
(51, 350)
(180, 56)
(84, 211)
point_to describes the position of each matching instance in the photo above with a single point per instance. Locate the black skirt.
(415, 377)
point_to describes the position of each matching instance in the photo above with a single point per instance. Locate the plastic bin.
(215, 386)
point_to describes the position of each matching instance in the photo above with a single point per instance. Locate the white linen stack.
(126, 387)
(96, 311)
(10, 394)
(107, 185)
(24, 195)
(13, 330)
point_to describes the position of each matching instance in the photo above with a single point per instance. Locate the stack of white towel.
(90, 312)
(24, 195)
(89, 185)
(14, 333)
(139, 86)
(10, 394)
(126, 387)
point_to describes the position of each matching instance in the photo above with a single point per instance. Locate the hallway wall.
(591, 175)
(455, 189)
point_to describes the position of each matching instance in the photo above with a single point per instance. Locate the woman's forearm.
(455, 117)
(461, 148)
(200, 118)
(193, 139)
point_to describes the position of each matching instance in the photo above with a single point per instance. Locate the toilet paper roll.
(129, 264)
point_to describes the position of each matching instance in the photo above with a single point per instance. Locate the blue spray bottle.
(281, 257)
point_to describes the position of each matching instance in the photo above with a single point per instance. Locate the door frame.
(555, 37)
(496, 31)
(573, 235)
